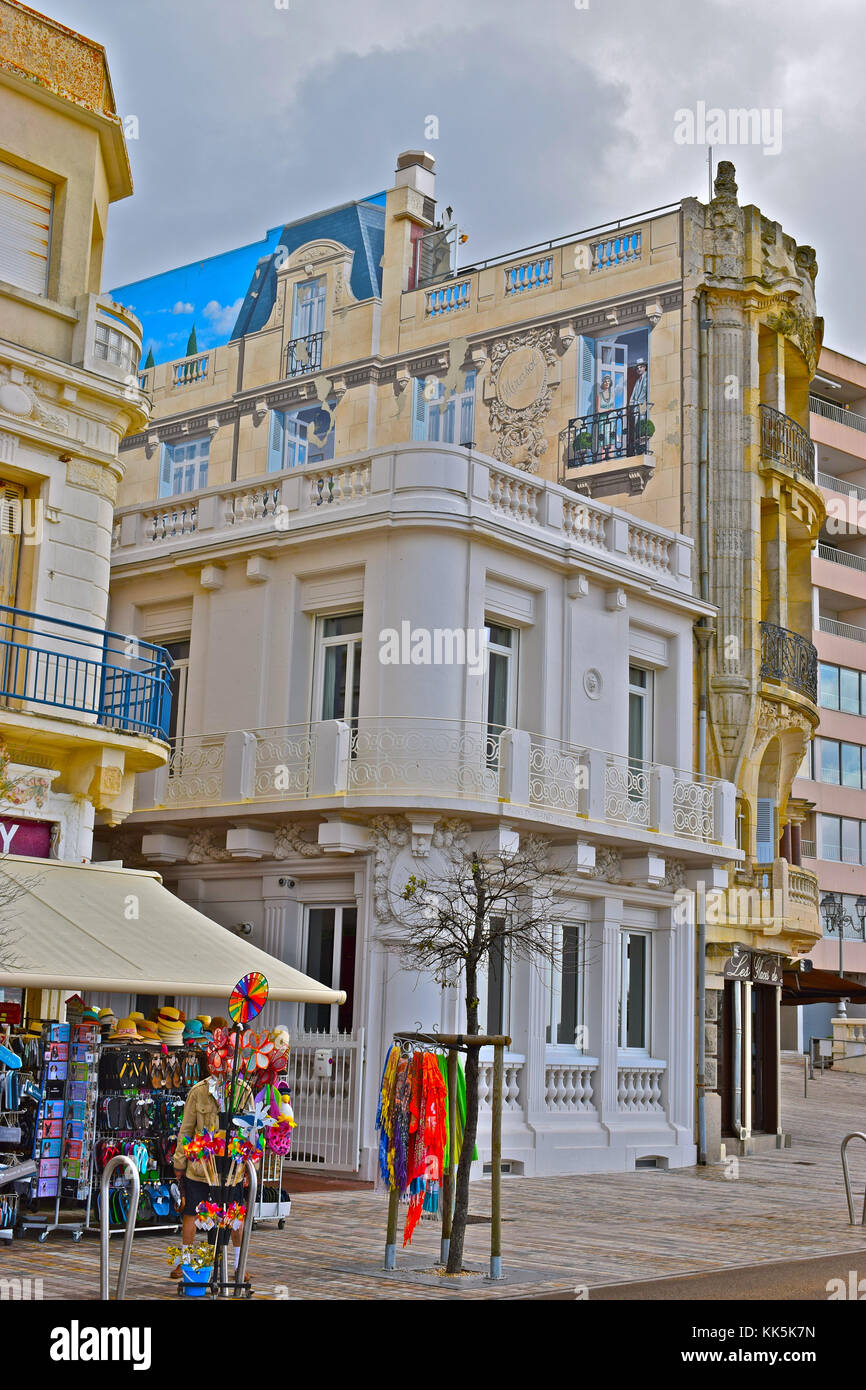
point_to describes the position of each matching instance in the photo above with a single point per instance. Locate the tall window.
(11, 529)
(308, 312)
(640, 715)
(184, 467)
(338, 677)
(498, 984)
(765, 830)
(300, 436)
(440, 416)
(613, 372)
(841, 688)
(331, 945)
(179, 653)
(501, 677)
(565, 983)
(634, 991)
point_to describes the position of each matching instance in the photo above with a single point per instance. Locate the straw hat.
(148, 1032)
(126, 1031)
(204, 1020)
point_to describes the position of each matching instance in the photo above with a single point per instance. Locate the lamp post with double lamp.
(835, 921)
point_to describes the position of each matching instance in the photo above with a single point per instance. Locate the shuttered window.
(25, 228)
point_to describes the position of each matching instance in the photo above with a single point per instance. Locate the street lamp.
(836, 919)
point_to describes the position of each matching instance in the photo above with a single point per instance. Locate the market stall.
(89, 1086)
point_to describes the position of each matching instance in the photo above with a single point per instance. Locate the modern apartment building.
(82, 709)
(830, 788)
(386, 438)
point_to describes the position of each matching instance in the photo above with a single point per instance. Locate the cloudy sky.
(552, 116)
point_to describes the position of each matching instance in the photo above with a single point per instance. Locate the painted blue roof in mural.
(231, 294)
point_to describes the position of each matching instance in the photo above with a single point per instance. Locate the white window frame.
(553, 983)
(511, 655)
(353, 642)
(646, 695)
(431, 423)
(180, 672)
(624, 1050)
(312, 307)
(334, 983)
(170, 469)
(484, 987)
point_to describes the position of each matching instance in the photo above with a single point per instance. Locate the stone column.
(604, 1014)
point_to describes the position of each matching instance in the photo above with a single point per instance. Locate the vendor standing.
(206, 1102)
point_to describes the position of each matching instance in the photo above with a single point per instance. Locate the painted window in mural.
(612, 398)
(183, 467)
(446, 417)
(301, 436)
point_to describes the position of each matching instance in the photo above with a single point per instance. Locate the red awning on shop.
(820, 987)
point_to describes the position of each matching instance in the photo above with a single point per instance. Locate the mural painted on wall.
(520, 378)
(613, 372)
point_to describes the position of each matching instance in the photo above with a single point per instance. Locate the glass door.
(339, 668)
(330, 959)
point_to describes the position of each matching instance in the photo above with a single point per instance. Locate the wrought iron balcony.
(84, 671)
(790, 659)
(608, 434)
(784, 441)
(304, 354)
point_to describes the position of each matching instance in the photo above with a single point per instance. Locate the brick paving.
(557, 1232)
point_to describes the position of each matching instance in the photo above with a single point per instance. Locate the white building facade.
(413, 647)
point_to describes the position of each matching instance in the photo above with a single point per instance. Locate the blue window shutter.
(765, 831)
(419, 409)
(467, 410)
(585, 376)
(275, 441)
(165, 467)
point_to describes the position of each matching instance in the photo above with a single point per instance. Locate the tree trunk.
(461, 1196)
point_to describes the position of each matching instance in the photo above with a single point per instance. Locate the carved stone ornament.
(607, 864)
(288, 840)
(395, 862)
(202, 847)
(593, 683)
(522, 396)
(795, 322)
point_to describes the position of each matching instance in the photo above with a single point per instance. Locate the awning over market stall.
(100, 927)
(820, 987)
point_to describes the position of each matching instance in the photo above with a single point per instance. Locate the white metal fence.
(327, 1107)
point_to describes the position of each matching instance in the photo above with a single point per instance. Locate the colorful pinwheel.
(249, 997)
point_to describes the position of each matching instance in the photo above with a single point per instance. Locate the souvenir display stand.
(418, 1124)
(273, 1202)
(12, 1173)
(65, 1120)
(142, 1091)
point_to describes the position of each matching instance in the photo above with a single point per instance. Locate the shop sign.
(9, 1012)
(761, 969)
(31, 837)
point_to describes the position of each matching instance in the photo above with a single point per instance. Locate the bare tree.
(480, 905)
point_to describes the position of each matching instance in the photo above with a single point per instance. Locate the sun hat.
(193, 1029)
(148, 1032)
(139, 1017)
(169, 1013)
(204, 1020)
(124, 1030)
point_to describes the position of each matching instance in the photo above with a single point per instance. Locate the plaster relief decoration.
(18, 790)
(202, 846)
(395, 862)
(607, 864)
(520, 370)
(289, 841)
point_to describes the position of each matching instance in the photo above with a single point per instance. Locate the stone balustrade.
(433, 480)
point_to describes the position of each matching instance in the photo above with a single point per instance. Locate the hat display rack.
(146, 1068)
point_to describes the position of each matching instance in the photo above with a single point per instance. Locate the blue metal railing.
(124, 682)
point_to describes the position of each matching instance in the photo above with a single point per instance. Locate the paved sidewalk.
(557, 1232)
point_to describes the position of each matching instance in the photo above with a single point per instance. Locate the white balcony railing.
(829, 410)
(841, 557)
(639, 1087)
(451, 759)
(833, 628)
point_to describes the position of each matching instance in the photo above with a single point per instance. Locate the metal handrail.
(252, 1193)
(841, 557)
(119, 1160)
(855, 1134)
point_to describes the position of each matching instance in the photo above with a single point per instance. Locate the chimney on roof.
(416, 169)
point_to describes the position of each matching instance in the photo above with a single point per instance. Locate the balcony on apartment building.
(385, 483)
(785, 443)
(107, 340)
(401, 762)
(85, 673)
(789, 660)
(839, 427)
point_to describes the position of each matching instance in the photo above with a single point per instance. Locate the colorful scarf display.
(411, 1119)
